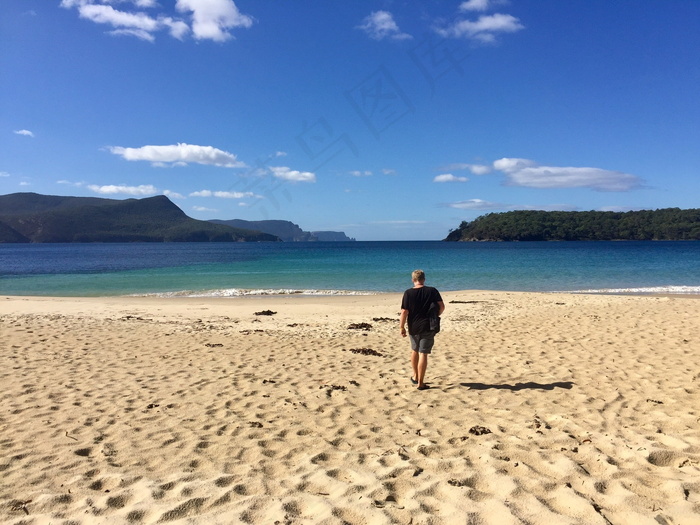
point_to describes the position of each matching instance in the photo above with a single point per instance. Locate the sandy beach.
(543, 409)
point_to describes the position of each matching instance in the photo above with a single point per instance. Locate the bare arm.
(402, 322)
(441, 307)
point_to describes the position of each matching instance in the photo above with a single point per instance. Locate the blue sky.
(388, 120)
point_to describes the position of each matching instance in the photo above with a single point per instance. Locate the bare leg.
(421, 367)
(414, 364)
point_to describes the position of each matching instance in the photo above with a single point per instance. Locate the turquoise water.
(232, 269)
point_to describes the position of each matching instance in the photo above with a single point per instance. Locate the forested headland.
(31, 217)
(668, 224)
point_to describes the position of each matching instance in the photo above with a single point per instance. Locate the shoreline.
(321, 293)
(543, 408)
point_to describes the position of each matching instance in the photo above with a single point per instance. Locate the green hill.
(30, 217)
(285, 230)
(646, 225)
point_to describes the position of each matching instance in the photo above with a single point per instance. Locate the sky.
(387, 119)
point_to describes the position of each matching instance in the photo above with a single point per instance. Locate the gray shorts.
(422, 343)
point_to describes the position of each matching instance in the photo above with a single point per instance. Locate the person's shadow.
(530, 385)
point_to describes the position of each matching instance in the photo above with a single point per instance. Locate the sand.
(543, 409)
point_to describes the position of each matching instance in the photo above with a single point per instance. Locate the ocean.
(330, 268)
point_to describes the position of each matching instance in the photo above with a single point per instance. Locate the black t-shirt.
(417, 301)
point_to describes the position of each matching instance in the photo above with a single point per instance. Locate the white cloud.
(178, 28)
(399, 222)
(25, 183)
(236, 194)
(617, 208)
(70, 183)
(202, 208)
(179, 155)
(224, 194)
(138, 24)
(138, 33)
(480, 5)
(101, 13)
(478, 169)
(448, 177)
(369, 173)
(485, 29)
(543, 207)
(475, 169)
(173, 194)
(527, 173)
(282, 172)
(211, 19)
(137, 3)
(380, 25)
(474, 5)
(24, 132)
(513, 164)
(126, 190)
(4, 174)
(475, 204)
(145, 3)
(178, 164)
(482, 205)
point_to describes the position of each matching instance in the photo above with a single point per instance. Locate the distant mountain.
(31, 217)
(285, 230)
(666, 224)
(328, 236)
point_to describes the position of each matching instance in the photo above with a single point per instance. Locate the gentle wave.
(237, 292)
(672, 290)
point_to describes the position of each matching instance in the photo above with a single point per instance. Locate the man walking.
(415, 308)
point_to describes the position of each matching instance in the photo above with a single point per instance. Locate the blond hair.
(418, 276)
